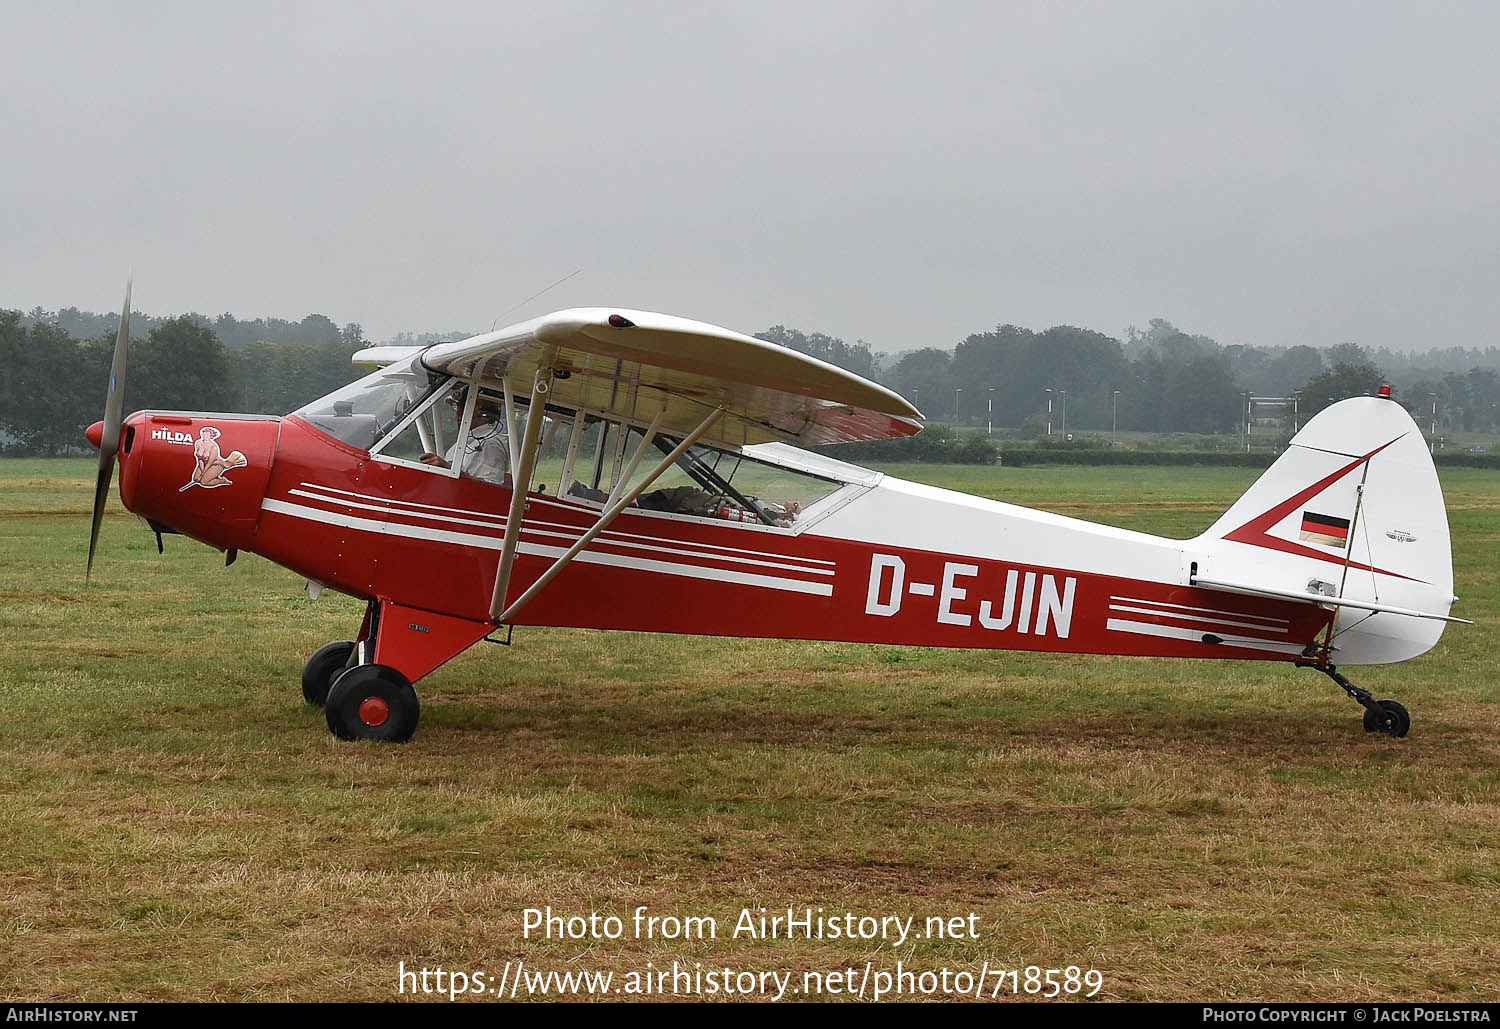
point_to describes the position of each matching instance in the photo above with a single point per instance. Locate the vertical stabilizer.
(1353, 509)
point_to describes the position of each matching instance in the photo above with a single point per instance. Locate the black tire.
(326, 664)
(373, 702)
(1392, 719)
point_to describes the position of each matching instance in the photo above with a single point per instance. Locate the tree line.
(1162, 379)
(52, 383)
(54, 365)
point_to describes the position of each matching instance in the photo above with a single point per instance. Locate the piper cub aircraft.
(614, 469)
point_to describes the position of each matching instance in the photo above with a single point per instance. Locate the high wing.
(636, 365)
(371, 358)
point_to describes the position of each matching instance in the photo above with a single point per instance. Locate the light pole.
(1432, 445)
(991, 411)
(1114, 419)
(1063, 395)
(1296, 411)
(956, 391)
(1049, 412)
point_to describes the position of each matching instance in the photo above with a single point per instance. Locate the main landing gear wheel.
(373, 702)
(1389, 717)
(327, 664)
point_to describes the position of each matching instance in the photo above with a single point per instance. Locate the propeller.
(109, 439)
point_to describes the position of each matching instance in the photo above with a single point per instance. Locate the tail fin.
(1352, 511)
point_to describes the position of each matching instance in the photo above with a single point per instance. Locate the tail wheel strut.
(1387, 716)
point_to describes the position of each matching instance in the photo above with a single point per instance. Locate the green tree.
(857, 358)
(1351, 354)
(181, 366)
(50, 390)
(1293, 367)
(1340, 382)
(281, 377)
(1200, 395)
(922, 377)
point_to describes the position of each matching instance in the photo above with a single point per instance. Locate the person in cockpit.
(486, 451)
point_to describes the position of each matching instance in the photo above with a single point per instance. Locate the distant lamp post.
(1063, 399)
(956, 391)
(1049, 412)
(990, 411)
(1296, 411)
(1432, 445)
(1114, 419)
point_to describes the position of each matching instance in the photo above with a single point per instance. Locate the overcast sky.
(904, 174)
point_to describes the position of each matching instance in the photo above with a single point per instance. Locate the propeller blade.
(109, 441)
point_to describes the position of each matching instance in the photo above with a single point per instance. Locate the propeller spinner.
(109, 438)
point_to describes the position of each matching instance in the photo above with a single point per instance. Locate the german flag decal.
(1324, 529)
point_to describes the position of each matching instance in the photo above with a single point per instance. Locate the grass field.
(178, 825)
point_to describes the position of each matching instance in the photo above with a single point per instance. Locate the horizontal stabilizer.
(1317, 598)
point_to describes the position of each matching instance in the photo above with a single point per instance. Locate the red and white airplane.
(615, 469)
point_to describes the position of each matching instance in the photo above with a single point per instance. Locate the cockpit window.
(406, 414)
(710, 483)
(362, 412)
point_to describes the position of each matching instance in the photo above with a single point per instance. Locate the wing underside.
(635, 365)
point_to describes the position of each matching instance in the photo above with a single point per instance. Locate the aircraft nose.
(95, 433)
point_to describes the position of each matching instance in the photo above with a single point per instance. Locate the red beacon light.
(1385, 391)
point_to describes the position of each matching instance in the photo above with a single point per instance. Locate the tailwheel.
(373, 702)
(1385, 716)
(327, 664)
(1389, 717)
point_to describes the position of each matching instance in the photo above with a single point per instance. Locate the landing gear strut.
(366, 687)
(1385, 716)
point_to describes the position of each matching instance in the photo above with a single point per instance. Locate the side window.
(584, 473)
(431, 431)
(485, 452)
(553, 464)
(706, 482)
(780, 492)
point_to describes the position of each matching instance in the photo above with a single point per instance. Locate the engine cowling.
(201, 474)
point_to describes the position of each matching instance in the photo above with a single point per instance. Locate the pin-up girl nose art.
(209, 463)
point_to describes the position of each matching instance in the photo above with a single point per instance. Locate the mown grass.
(177, 825)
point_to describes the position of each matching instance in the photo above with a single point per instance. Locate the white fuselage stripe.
(1204, 610)
(1196, 636)
(382, 508)
(1194, 618)
(571, 536)
(499, 523)
(404, 503)
(465, 539)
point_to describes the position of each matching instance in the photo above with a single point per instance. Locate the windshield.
(365, 410)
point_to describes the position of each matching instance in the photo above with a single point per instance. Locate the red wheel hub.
(373, 711)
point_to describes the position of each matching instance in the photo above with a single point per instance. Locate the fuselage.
(877, 560)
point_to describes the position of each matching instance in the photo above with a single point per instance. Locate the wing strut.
(613, 508)
(521, 477)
